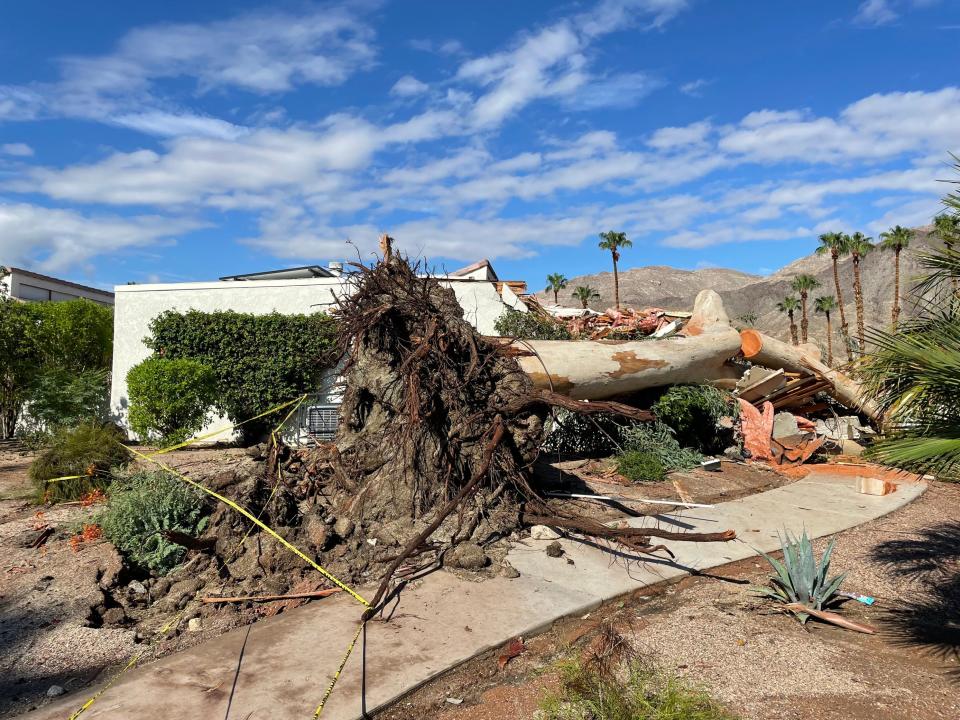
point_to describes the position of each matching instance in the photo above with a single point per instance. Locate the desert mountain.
(745, 294)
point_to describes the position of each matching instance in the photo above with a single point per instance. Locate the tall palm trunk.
(804, 323)
(896, 288)
(844, 328)
(556, 300)
(829, 340)
(793, 329)
(616, 280)
(858, 299)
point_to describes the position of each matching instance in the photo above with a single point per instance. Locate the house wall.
(137, 305)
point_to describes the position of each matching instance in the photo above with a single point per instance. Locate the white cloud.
(616, 91)
(694, 87)
(166, 124)
(16, 149)
(261, 53)
(668, 138)
(875, 12)
(63, 238)
(408, 86)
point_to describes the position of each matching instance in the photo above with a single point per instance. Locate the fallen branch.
(596, 529)
(832, 618)
(271, 598)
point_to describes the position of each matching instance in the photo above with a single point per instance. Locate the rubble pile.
(626, 323)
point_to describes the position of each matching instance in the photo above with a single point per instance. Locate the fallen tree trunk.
(764, 350)
(595, 370)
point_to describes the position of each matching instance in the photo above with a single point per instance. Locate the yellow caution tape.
(336, 675)
(260, 524)
(133, 661)
(209, 435)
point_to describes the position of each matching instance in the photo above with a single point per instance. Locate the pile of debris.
(627, 323)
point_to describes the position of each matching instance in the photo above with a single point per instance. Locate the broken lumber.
(764, 350)
(596, 370)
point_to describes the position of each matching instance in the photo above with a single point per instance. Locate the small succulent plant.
(800, 579)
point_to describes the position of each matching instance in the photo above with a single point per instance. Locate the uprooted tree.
(439, 425)
(439, 429)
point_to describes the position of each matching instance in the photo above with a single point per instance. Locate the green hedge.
(528, 326)
(170, 400)
(259, 360)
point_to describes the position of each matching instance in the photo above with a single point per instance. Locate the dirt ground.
(764, 665)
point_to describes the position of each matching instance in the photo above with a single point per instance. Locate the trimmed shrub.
(694, 412)
(170, 399)
(640, 466)
(658, 439)
(142, 506)
(529, 326)
(259, 360)
(90, 450)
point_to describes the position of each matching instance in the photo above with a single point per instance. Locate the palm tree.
(835, 244)
(858, 245)
(947, 227)
(789, 306)
(803, 284)
(613, 241)
(555, 283)
(896, 239)
(826, 304)
(585, 293)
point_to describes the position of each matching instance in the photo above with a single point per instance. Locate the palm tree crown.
(613, 240)
(555, 283)
(896, 238)
(834, 243)
(585, 293)
(859, 244)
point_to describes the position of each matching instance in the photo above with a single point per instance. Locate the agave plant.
(800, 579)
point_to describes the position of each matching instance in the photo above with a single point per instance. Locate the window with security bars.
(322, 420)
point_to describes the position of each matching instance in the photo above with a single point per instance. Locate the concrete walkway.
(442, 622)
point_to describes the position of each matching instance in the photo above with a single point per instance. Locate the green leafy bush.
(658, 440)
(60, 398)
(644, 694)
(144, 504)
(90, 450)
(694, 413)
(640, 466)
(529, 326)
(170, 399)
(259, 360)
(51, 353)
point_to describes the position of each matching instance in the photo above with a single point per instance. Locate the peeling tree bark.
(596, 370)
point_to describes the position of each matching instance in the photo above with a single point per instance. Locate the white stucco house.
(308, 289)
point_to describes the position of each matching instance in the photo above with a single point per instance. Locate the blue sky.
(160, 142)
